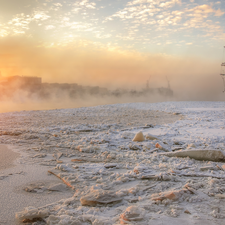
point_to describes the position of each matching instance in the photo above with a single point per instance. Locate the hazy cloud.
(108, 67)
(62, 22)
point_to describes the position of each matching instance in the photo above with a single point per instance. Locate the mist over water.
(9, 106)
(22, 102)
(189, 77)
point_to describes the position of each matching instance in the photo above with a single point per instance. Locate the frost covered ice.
(174, 173)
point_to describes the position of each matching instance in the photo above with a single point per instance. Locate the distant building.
(24, 80)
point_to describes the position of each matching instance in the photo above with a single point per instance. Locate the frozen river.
(106, 177)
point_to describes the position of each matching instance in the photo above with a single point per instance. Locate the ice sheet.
(92, 149)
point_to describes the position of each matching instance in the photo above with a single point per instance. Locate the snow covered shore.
(116, 180)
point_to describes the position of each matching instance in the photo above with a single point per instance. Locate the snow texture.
(117, 180)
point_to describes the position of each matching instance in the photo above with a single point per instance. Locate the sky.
(117, 43)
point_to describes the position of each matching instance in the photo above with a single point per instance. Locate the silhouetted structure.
(33, 86)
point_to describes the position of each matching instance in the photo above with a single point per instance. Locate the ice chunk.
(171, 195)
(132, 213)
(208, 155)
(99, 197)
(31, 213)
(139, 137)
(150, 137)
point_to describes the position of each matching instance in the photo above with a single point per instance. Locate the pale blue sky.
(175, 27)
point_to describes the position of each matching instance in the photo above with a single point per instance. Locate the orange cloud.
(219, 12)
(206, 9)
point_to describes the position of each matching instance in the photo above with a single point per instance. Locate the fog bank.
(190, 78)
